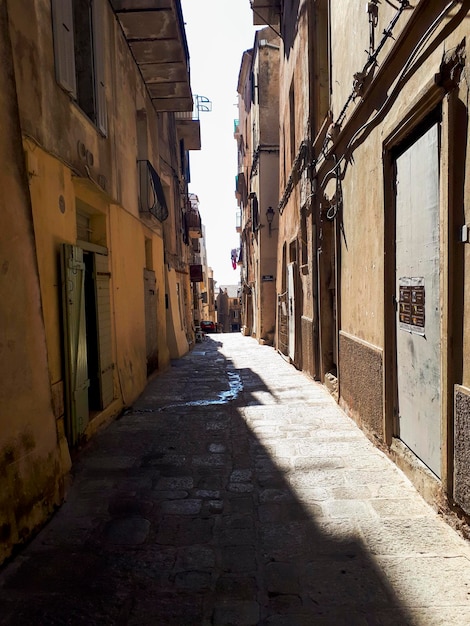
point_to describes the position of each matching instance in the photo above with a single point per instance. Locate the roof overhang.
(154, 30)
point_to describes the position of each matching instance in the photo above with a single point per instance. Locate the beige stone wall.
(407, 85)
(362, 274)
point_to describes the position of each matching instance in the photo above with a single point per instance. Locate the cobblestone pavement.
(236, 492)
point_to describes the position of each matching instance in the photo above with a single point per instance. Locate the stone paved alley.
(235, 491)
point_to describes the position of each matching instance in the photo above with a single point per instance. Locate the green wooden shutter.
(75, 348)
(103, 323)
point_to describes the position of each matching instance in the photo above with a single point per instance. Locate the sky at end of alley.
(218, 32)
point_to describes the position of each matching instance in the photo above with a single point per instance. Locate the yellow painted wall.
(53, 202)
(176, 322)
(70, 166)
(33, 463)
(124, 236)
(127, 245)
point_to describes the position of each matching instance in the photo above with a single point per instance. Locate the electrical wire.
(410, 59)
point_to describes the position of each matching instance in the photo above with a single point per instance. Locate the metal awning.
(154, 30)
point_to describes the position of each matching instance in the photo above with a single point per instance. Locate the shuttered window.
(62, 22)
(98, 51)
(78, 27)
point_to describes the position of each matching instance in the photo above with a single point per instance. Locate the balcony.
(266, 12)
(189, 129)
(238, 222)
(240, 187)
(196, 245)
(152, 199)
(193, 223)
(154, 30)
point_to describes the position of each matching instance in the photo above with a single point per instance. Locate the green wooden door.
(76, 369)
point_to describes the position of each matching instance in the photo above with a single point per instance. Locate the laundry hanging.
(234, 258)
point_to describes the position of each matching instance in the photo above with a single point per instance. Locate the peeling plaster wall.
(34, 458)
(56, 164)
(405, 89)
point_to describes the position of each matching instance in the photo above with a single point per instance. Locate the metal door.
(291, 308)
(418, 298)
(75, 347)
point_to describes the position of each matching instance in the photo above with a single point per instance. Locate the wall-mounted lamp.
(269, 218)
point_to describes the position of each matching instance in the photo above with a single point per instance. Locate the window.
(292, 123)
(254, 214)
(78, 27)
(148, 254)
(322, 63)
(303, 237)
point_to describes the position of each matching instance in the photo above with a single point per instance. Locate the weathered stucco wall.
(411, 79)
(362, 252)
(72, 169)
(106, 174)
(33, 458)
(53, 204)
(177, 339)
(127, 262)
(362, 245)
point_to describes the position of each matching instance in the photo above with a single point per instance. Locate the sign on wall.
(411, 302)
(195, 273)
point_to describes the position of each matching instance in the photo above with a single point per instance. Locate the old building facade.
(95, 286)
(373, 221)
(257, 139)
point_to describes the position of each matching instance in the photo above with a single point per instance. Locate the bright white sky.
(218, 32)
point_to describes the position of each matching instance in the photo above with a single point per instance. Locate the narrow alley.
(236, 492)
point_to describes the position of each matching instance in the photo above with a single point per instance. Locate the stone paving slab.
(236, 492)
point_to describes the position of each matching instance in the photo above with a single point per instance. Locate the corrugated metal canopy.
(155, 32)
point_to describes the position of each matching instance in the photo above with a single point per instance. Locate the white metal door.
(291, 307)
(418, 296)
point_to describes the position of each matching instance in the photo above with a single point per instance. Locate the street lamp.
(269, 218)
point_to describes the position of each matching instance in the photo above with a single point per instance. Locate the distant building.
(257, 186)
(229, 308)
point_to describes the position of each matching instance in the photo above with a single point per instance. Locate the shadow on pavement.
(180, 514)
